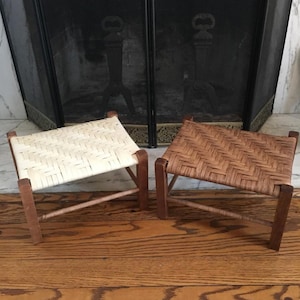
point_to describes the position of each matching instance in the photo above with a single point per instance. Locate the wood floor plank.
(242, 202)
(157, 271)
(115, 251)
(144, 238)
(156, 293)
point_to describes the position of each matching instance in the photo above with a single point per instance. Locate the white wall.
(11, 103)
(287, 98)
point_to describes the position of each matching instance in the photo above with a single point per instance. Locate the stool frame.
(140, 178)
(164, 187)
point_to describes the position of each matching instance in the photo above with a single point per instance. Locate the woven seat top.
(70, 153)
(245, 160)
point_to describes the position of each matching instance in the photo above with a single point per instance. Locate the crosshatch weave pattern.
(245, 160)
(58, 156)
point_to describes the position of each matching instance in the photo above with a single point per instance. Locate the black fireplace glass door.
(153, 61)
(24, 37)
(98, 49)
(203, 57)
(260, 105)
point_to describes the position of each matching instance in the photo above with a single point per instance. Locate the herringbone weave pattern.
(246, 160)
(70, 153)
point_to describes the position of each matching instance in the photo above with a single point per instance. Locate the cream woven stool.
(62, 155)
(244, 160)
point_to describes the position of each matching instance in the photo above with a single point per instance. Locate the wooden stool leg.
(282, 209)
(30, 210)
(142, 178)
(161, 178)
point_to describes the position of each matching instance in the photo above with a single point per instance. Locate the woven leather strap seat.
(76, 152)
(244, 160)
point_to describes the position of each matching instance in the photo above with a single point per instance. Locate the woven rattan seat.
(58, 156)
(244, 160)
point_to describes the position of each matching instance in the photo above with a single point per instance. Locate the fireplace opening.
(152, 61)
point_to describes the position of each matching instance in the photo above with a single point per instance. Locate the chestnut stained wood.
(157, 293)
(115, 251)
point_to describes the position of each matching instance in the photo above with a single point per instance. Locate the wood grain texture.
(155, 293)
(115, 251)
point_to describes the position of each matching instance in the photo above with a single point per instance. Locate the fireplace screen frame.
(44, 105)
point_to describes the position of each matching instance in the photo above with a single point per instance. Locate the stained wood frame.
(140, 178)
(163, 189)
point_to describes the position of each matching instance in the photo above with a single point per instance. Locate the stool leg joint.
(282, 209)
(30, 210)
(142, 178)
(161, 178)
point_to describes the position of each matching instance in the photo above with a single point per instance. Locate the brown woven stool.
(244, 160)
(58, 156)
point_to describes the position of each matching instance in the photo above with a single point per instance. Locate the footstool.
(62, 155)
(240, 159)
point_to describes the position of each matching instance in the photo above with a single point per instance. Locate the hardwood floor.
(115, 251)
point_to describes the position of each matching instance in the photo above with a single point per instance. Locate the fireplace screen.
(99, 55)
(152, 61)
(203, 57)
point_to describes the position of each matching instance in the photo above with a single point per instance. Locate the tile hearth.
(277, 124)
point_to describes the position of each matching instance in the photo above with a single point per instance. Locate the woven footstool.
(55, 157)
(244, 160)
